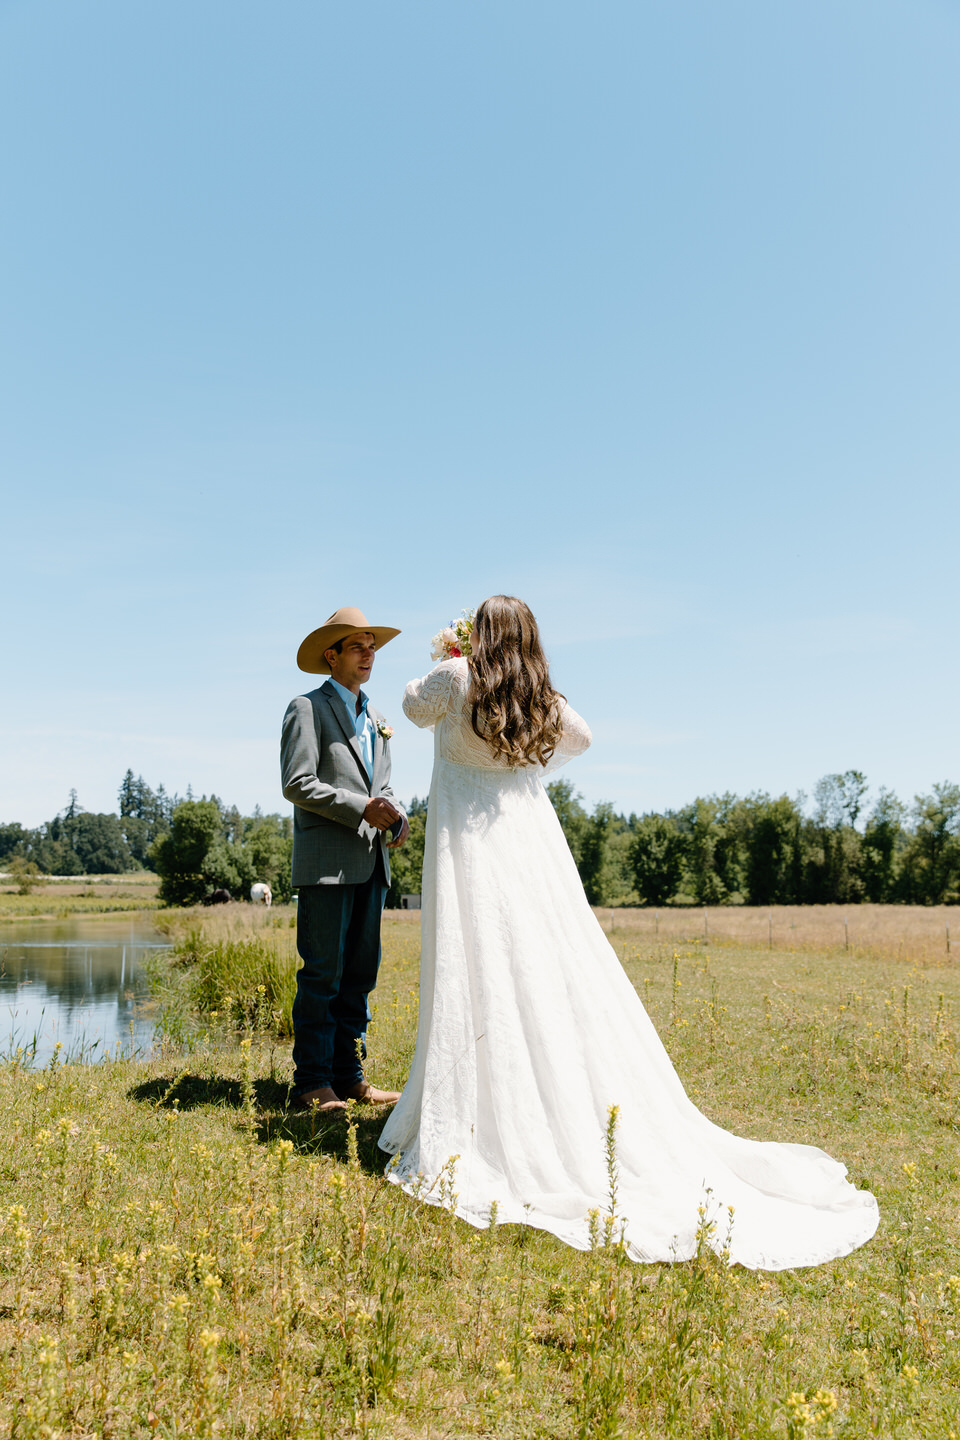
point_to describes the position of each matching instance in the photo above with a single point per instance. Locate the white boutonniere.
(384, 730)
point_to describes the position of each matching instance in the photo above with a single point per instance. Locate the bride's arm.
(425, 701)
(576, 733)
(575, 739)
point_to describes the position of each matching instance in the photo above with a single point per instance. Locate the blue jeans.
(338, 940)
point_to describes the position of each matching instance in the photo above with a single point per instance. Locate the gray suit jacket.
(324, 775)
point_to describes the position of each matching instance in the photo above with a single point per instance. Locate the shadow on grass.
(311, 1134)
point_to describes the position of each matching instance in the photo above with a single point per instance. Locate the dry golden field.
(915, 933)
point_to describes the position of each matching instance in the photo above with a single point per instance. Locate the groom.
(335, 763)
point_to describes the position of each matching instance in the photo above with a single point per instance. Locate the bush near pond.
(241, 980)
(207, 849)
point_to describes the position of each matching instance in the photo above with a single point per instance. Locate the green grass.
(179, 1256)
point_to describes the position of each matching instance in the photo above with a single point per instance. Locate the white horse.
(261, 894)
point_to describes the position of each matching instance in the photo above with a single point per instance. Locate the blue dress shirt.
(362, 722)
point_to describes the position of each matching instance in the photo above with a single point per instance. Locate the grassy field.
(181, 1257)
(896, 932)
(86, 895)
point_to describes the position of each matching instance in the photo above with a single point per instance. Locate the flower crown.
(454, 640)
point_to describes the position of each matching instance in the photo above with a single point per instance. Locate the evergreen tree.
(14, 840)
(773, 844)
(711, 852)
(269, 844)
(592, 850)
(931, 860)
(659, 849)
(882, 843)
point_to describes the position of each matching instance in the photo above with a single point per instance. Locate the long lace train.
(529, 1032)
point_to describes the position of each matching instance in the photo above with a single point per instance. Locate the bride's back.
(441, 701)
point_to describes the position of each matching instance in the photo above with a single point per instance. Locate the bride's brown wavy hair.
(515, 707)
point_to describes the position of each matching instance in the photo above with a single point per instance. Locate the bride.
(529, 1030)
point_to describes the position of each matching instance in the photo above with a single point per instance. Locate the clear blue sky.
(647, 312)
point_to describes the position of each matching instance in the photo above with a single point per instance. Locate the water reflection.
(81, 982)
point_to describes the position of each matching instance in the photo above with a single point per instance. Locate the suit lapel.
(342, 716)
(377, 745)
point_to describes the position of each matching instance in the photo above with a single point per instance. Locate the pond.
(80, 981)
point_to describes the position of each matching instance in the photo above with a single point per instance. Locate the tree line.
(753, 850)
(79, 842)
(195, 846)
(764, 850)
(718, 850)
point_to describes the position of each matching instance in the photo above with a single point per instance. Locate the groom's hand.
(404, 832)
(379, 813)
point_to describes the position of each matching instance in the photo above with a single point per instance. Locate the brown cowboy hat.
(345, 621)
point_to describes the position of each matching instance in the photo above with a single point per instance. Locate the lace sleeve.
(575, 739)
(425, 701)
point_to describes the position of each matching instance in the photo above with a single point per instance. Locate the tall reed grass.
(249, 981)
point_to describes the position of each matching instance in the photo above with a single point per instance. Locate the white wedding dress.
(529, 1031)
